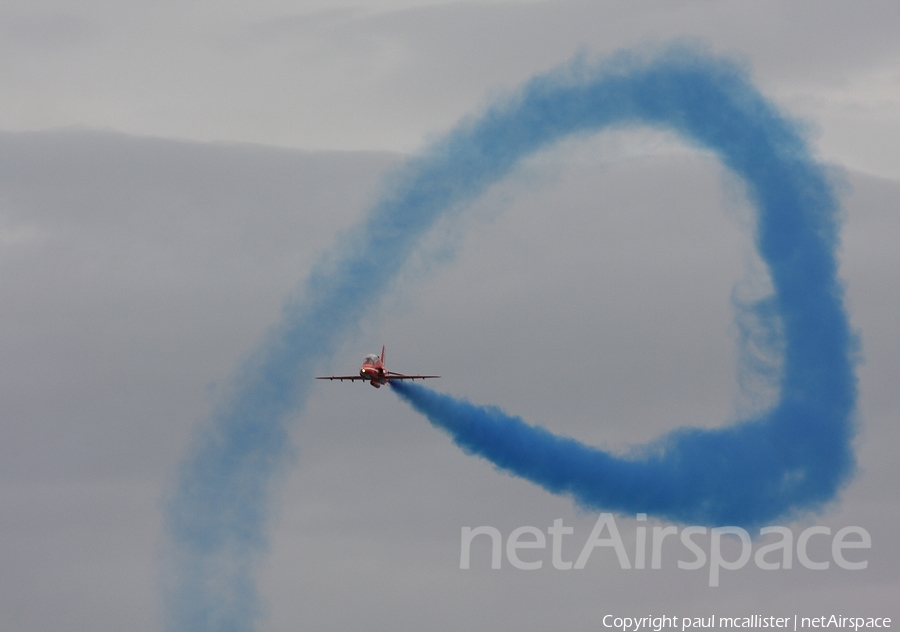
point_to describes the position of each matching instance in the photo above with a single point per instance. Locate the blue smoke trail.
(791, 458)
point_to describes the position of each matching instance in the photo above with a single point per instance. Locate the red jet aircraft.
(374, 372)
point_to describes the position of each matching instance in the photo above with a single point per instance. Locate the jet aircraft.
(375, 373)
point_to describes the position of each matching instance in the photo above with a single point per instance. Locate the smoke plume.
(793, 457)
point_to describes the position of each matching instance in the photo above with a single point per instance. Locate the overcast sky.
(170, 171)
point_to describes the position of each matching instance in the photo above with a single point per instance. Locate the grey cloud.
(588, 296)
(51, 31)
(354, 77)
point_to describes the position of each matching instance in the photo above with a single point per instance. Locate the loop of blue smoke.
(794, 457)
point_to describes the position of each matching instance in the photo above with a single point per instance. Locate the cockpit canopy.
(371, 358)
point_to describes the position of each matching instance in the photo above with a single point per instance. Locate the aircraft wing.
(352, 378)
(400, 376)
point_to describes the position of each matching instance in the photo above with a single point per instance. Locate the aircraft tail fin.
(382, 354)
